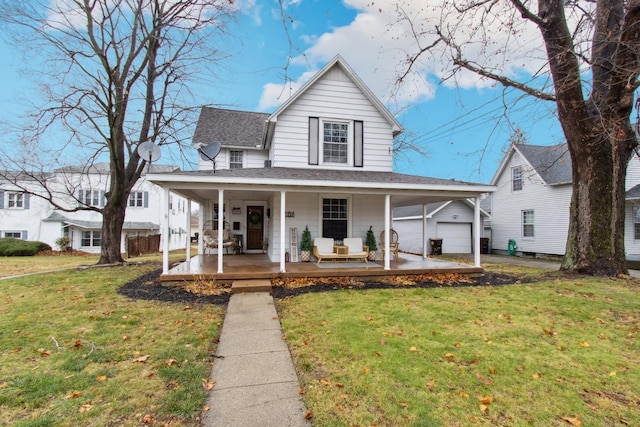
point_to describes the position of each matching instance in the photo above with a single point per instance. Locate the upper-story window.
(91, 198)
(636, 221)
(335, 143)
(235, 159)
(139, 199)
(15, 200)
(516, 178)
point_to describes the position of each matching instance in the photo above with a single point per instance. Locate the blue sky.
(463, 128)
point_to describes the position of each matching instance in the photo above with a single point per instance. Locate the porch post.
(188, 225)
(283, 205)
(387, 232)
(166, 233)
(424, 231)
(476, 233)
(220, 227)
(201, 229)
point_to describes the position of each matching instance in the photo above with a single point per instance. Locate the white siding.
(551, 212)
(332, 97)
(252, 159)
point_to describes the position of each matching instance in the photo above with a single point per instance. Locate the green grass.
(74, 352)
(544, 354)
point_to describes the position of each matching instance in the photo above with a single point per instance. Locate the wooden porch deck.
(258, 266)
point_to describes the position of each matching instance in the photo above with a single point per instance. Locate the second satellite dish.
(149, 151)
(209, 152)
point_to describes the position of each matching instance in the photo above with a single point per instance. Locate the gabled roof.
(339, 62)
(633, 193)
(551, 162)
(231, 128)
(97, 225)
(415, 211)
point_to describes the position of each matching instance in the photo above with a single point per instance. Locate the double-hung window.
(527, 223)
(138, 199)
(91, 238)
(335, 142)
(516, 178)
(93, 198)
(15, 200)
(235, 159)
(636, 221)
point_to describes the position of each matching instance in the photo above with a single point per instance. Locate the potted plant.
(306, 245)
(370, 241)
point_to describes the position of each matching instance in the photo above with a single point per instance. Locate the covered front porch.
(258, 266)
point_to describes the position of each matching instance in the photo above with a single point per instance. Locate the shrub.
(306, 244)
(370, 240)
(62, 243)
(16, 247)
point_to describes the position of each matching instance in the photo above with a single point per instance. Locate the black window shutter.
(313, 140)
(358, 144)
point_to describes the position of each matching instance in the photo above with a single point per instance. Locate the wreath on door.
(255, 218)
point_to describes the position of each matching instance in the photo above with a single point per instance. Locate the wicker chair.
(211, 238)
(393, 243)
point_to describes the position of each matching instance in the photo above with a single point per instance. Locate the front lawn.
(562, 352)
(75, 352)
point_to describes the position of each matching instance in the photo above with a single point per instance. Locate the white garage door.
(456, 237)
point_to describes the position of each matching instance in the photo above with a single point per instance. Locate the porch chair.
(393, 243)
(211, 238)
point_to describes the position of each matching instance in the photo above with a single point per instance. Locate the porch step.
(257, 285)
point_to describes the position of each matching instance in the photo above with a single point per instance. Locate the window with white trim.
(335, 142)
(15, 201)
(91, 238)
(636, 221)
(516, 178)
(527, 223)
(92, 198)
(236, 159)
(136, 199)
(14, 234)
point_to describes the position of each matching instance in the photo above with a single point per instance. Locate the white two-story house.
(29, 217)
(322, 160)
(530, 207)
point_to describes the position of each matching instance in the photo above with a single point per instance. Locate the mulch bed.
(148, 287)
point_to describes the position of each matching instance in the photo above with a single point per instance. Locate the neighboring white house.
(530, 206)
(323, 159)
(29, 217)
(450, 221)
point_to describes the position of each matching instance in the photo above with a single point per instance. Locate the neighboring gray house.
(533, 194)
(323, 159)
(451, 221)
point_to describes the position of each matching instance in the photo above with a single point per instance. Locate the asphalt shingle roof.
(229, 127)
(553, 163)
(310, 174)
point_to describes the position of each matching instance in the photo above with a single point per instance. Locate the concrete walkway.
(255, 381)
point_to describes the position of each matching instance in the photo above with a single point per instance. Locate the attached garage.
(456, 237)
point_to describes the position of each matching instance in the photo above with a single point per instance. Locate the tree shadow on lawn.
(149, 287)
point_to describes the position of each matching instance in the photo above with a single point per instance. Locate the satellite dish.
(209, 152)
(149, 151)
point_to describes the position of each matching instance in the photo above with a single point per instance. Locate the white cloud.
(376, 44)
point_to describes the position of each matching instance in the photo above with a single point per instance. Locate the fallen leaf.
(536, 375)
(485, 400)
(85, 408)
(484, 408)
(209, 385)
(141, 359)
(413, 348)
(464, 394)
(485, 380)
(44, 353)
(74, 395)
(147, 419)
(549, 332)
(308, 415)
(101, 378)
(573, 421)
(205, 408)
(169, 362)
(301, 391)
(404, 404)
(492, 370)
(584, 344)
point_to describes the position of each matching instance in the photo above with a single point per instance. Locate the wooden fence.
(141, 245)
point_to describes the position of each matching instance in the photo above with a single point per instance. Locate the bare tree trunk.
(595, 243)
(111, 233)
